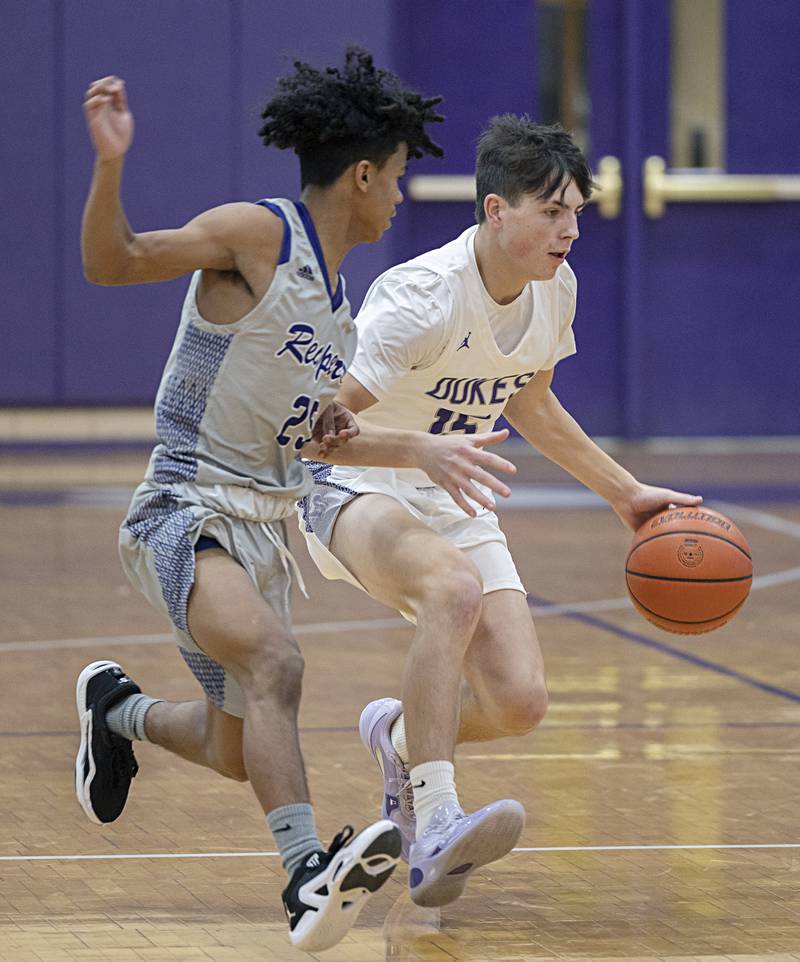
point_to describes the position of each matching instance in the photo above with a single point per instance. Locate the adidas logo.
(313, 861)
(305, 272)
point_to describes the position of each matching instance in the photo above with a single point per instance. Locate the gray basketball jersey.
(238, 401)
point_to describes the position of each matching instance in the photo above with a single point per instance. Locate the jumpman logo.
(465, 342)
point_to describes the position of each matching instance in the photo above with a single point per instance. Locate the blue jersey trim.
(338, 296)
(286, 242)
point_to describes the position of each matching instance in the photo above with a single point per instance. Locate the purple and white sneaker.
(455, 844)
(374, 727)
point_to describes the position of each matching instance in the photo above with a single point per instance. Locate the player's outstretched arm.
(539, 417)
(113, 253)
(453, 461)
(456, 462)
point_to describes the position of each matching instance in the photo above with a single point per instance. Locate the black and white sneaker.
(105, 764)
(328, 890)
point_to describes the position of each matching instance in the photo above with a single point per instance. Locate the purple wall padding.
(176, 61)
(31, 154)
(763, 86)
(197, 72)
(719, 349)
(685, 325)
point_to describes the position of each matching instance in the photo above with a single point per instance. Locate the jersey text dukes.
(479, 390)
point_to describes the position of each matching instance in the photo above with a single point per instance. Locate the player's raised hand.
(108, 118)
(645, 501)
(457, 461)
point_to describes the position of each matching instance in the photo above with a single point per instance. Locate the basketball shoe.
(454, 844)
(105, 763)
(328, 889)
(374, 727)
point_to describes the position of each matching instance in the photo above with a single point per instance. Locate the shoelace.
(405, 796)
(341, 839)
(445, 826)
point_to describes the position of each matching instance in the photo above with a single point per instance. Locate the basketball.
(689, 570)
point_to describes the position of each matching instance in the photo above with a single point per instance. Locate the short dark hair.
(332, 118)
(517, 156)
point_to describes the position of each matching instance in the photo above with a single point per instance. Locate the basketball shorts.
(157, 547)
(480, 538)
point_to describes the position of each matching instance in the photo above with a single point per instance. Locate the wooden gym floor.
(661, 789)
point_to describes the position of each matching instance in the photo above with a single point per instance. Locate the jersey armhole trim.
(286, 241)
(336, 296)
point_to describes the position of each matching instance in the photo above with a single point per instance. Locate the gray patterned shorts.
(157, 548)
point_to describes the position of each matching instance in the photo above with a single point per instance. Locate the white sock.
(432, 783)
(397, 735)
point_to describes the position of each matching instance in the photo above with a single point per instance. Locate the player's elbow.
(104, 273)
(95, 275)
(108, 262)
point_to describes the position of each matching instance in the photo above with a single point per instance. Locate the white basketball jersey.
(427, 349)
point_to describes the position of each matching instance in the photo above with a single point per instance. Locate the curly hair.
(332, 118)
(517, 156)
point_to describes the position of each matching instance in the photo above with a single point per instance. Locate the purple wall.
(763, 82)
(198, 72)
(685, 325)
(31, 229)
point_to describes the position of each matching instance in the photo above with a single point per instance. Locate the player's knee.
(457, 591)
(275, 671)
(521, 707)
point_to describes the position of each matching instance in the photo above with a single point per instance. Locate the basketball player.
(264, 340)
(448, 342)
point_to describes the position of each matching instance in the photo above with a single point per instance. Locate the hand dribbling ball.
(689, 570)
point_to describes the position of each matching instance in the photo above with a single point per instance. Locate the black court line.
(673, 652)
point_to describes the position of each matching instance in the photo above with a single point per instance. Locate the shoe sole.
(84, 779)
(353, 876)
(490, 839)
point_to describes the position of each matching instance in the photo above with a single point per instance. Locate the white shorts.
(480, 538)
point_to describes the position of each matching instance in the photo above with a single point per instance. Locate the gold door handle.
(661, 188)
(459, 187)
(609, 179)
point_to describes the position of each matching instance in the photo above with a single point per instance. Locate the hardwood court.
(661, 789)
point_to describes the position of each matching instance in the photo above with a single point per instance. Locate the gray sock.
(126, 718)
(295, 833)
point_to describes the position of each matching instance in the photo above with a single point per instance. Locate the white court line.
(778, 578)
(760, 519)
(368, 624)
(319, 628)
(547, 848)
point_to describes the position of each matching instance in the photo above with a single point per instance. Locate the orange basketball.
(689, 570)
